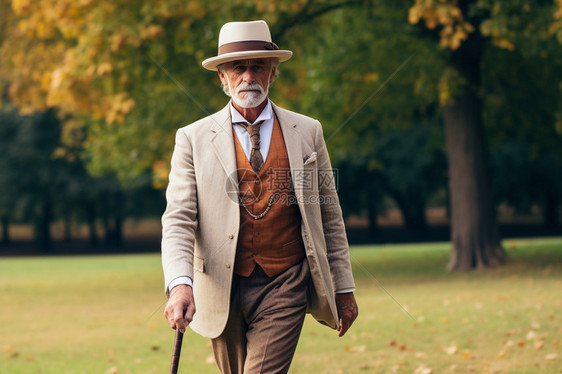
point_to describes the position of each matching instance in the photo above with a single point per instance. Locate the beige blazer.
(202, 217)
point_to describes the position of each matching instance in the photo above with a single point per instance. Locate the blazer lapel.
(294, 149)
(222, 142)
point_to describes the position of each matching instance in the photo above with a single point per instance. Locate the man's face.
(248, 80)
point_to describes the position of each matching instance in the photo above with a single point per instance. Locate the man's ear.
(222, 78)
(272, 75)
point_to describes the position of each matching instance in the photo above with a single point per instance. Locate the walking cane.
(176, 353)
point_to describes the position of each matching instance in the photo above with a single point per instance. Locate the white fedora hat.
(245, 40)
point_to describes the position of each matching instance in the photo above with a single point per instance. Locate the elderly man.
(253, 235)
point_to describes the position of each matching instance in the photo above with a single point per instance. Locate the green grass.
(102, 314)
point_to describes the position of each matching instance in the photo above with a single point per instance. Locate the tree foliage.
(124, 75)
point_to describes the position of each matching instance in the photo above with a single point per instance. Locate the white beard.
(248, 99)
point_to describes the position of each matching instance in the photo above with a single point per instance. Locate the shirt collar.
(266, 114)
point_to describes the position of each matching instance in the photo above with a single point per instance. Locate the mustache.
(249, 86)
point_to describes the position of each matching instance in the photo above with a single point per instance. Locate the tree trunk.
(372, 214)
(118, 231)
(550, 206)
(412, 208)
(91, 218)
(43, 227)
(67, 228)
(474, 229)
(114, 222)
(6, 231)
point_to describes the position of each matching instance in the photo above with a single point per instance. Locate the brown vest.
(273, 240)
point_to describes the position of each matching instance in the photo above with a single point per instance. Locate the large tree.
(468, 29)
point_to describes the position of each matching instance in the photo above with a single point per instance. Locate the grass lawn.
(103, 314)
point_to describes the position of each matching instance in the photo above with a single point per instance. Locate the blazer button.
(228, 266)
(230, 236)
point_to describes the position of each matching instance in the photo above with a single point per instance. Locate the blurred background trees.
(423, 102)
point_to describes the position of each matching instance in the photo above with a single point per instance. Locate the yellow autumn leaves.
(445, 13)
(72, 55)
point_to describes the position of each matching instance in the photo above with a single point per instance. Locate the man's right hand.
(180, 307)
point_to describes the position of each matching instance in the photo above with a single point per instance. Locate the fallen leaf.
(535, 325)
(360, 348)
(452, 350)
(521, 343)
(210, 359)
(420, 355)
(538, 345)
(154, 347)
(502, 354)
(466, 354)
(422, 369)
(531, 335)
(551, 357)
(509, 343)
(8, 348)
(402, 347)
(392, 343)
(112, 370)
(363, 367)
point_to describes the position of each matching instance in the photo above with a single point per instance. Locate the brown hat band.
(250, 45)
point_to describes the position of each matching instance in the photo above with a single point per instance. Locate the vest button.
(230, 236)
(227, 266)
(257, 181)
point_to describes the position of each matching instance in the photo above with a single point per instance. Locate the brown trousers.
(265, 322)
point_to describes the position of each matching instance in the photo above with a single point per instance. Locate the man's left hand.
(347, 311)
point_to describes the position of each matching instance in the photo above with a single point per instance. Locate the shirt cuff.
(184, 279)
(346, 290)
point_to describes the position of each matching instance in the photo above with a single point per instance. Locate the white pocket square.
(310, 159)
